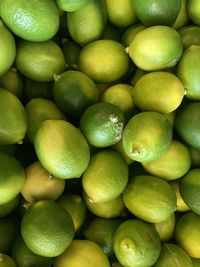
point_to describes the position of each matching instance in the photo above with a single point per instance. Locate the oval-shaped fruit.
(180, 203)
(6, 261)
(182, 18)
(61, 149)
(166, 228)
(193, 11)
(71, 5)
(33, 20)
(189, 35)
(9, 206)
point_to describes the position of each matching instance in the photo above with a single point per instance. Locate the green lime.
(101, 231)
(195, 156)
(9, 206)
(166, 228)
(24, 257)
(111, 33)
(182, 18)
(173, 164)
(147, 136)
(71, 51)
(39, 61)
(121, 13)
(102, 124)
(40, 185)
(104, 61)
(136, 243)
(39, 110)
(71, 5)
(156, 48)
(174, 256)
(170, 117)
(82, 253)
(6, 261)
(157, 12)
(180, 203)
(193, 11)
(12, 178)
(157, 201)
(187, 71)
(130, 33)
(109, 209)
(37, 20)
(187, 232)
(47, 229)
(75, 206)
(196, 262)
(73, 92)
(106, 176)
(61, 149)
(190, 35)
(187, 123)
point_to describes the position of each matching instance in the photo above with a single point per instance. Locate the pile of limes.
(100, 133)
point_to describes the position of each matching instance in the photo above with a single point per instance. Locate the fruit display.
(100, 133)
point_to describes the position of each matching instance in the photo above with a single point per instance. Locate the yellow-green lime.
(9, 206)
(173, 164)
(119, 147)
(180, 204)
(47, 228)
(157, 12)
(190, 35)
(193, 11)
(75, 206)
(130, 33)
(182, 18)
(158, 91)
(195, 156)
(170, 117)
(155, 204)
(147, 136)
(121, 12)
(71, 51)
(174, 256)
(106, 176)
(166, 228)
(24, 257)
(13, 120)
(39, 61)
(187, 71)
(82, 253)
(104, 61)
(87, 24)
(109, 209)
(61, 149)
(39, 184)
(187, 123)
(71, 5)
(187, 232)
(136, 244)
(101, 231)
(102, 124)
(12, 178)
(39, 110)
(73, 92)
(156, 48)
(6, 261)
(33, 20)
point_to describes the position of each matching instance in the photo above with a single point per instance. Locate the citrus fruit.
(13, 121)
(102, 124)
(139, 73)
(71, 5)
(6, 261)
(136, 244)
(130, 33)
(9, 206)
(73, 92)
(111, 33)
(39, 61)
(173, 164)
(196, 262)
(166, 228)
(104, 61)
(40, 185)
(187, 123)
(71, 51)
(61, 149)
(47, 239)
(119, 147)
(187, 71)
(158, 91)
(166, 48)
(187, 232)
(121, 12)
(189, 35)
(157, 201)
(146, 136)
(33, 20)
(157, 12)
(75, 206)
(195, 156)
(173, 255)
(193, 11)
(180, 204)
(182, 18)
(82, 253)
(106, 176)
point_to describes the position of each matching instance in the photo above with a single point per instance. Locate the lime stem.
(127, 49)
(56, 77)
(20, 142)
(135, 152)
(26, 205)
(113, 118)
(50, 176)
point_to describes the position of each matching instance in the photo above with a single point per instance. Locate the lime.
(6, 261)
(195, 156)
(139, 73)
(82, 253)
(39, 61)
(106, 176)
(166, 228)
(71, 5)
(157, 201)
(147, 136)
(119, 147)
(180, 204)
(73, 92)
(193, 11)
(111, 33)
(190, 35)
(136, 244)
(71, 51)
(102, 124)
(196, 262)
(104, 61)
(182, 18)
(61, 149)
(36, 21)
(156, 48)
(9, 206)
(47, 239)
